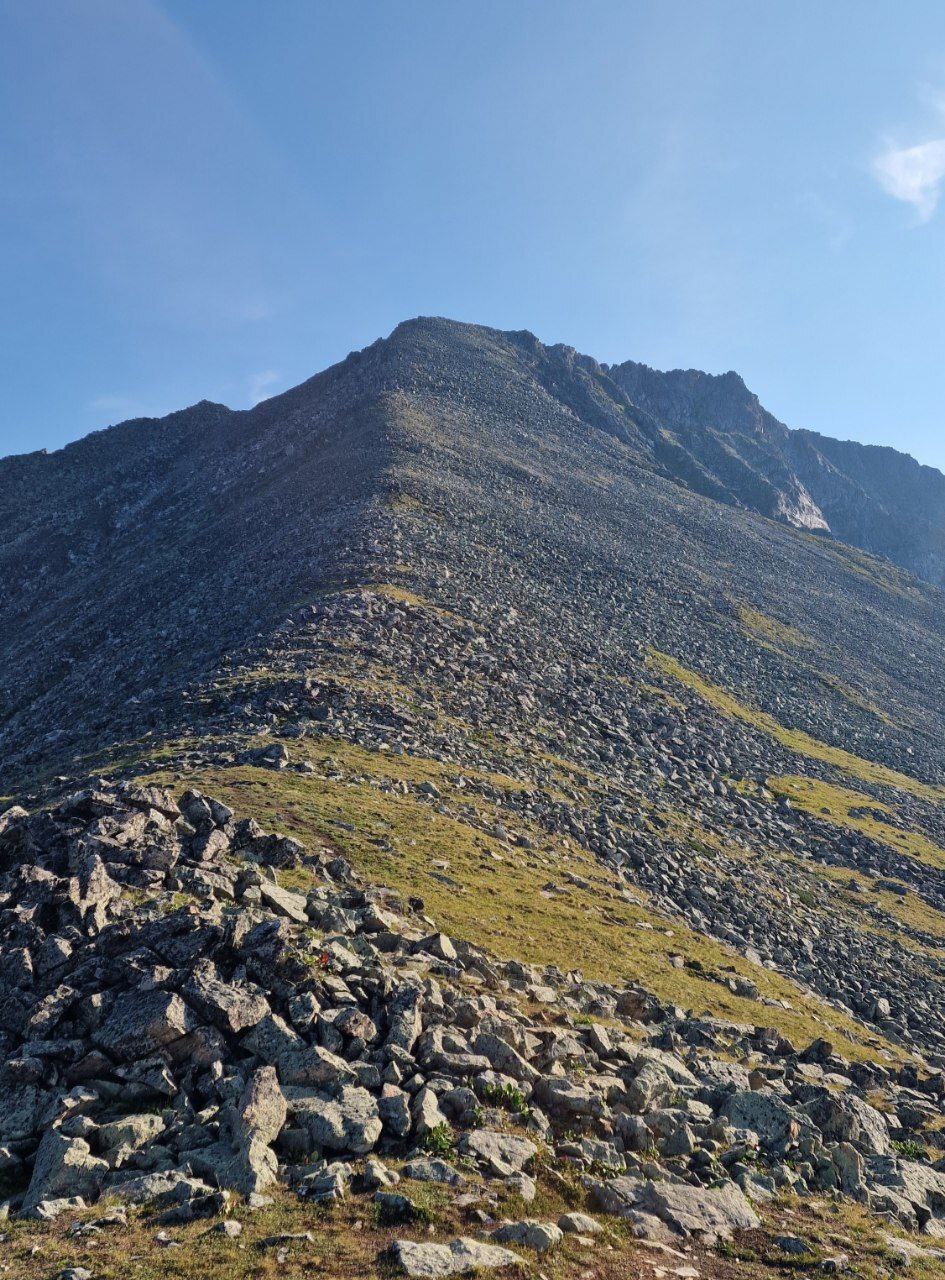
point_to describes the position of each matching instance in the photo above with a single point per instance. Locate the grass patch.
(908, 910)
(768, 629)
(880, 573)
(795, 740)
(498, 896)
(839, 806)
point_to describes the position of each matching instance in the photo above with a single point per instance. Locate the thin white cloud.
(260, 382)
(913, 175)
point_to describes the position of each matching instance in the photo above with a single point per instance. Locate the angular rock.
(142, 1022)
(529, 1234)
(346, 1120)
(64, 1167)
(460, 1257)
(501, 1153)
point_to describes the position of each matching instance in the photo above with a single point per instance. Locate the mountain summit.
(475, 746)
(135, 560)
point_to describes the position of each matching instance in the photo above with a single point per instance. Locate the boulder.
(501, 1154)
(261, 1111)
(710, 1213)
(425, 1261)
(231, 1008)
(777, 1124)
(63, 1167)
(530, 1234)
(345, 1120)
(143, 1022)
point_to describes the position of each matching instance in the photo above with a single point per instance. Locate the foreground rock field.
(185, 1034)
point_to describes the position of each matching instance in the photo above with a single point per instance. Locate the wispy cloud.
(913, 174)
(261, 382)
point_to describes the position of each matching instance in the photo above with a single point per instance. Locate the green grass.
(879, 573)
(495, 895)
(348, 1242)
(795, 740)
(770, 630)
(908, 910)
(838, 805)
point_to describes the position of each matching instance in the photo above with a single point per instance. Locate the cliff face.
(718, 439)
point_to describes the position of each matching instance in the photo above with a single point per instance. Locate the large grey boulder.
(711, 1213)
(64, 1167)
(345, 1120)
(142, 1022)
(425, 1112)
(500, 1153)
(273, 1041)
(530, 1234)
(405, 1018)
(651, 1087)
(261, 1111)
(166, 1187)
(251, 1166)
(130, 1134)
(777, 1124)
(847, 1118)
(231, 1008)
(283, 901)
(460, 1257)
(564, 1098)
(504, 1057)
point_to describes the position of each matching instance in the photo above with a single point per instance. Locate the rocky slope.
(717, 438)
(457, 612)
(172, 1053)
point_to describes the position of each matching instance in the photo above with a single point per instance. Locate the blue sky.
(218, 198)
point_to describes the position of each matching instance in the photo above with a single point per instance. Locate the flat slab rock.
(502, 1153)
(459, 1257)
(711, 1213)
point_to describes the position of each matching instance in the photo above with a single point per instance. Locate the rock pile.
(179, 1025)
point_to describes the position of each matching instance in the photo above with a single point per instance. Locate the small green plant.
(438, 1141)
(912, 1149)
(507, 1096)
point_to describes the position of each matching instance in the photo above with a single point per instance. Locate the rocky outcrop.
(715, 437)
(131, 1071)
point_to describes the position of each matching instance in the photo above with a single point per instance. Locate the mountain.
(633, 694)
(716, 438)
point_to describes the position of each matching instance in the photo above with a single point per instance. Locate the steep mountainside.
(565, 659)
(717, 438)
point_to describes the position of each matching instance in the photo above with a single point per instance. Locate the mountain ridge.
(706, 431)
(424, 713)
(183, 595)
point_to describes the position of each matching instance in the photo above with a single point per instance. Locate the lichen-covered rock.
(345, 1120)
(425, 1261)
(63, 1168)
